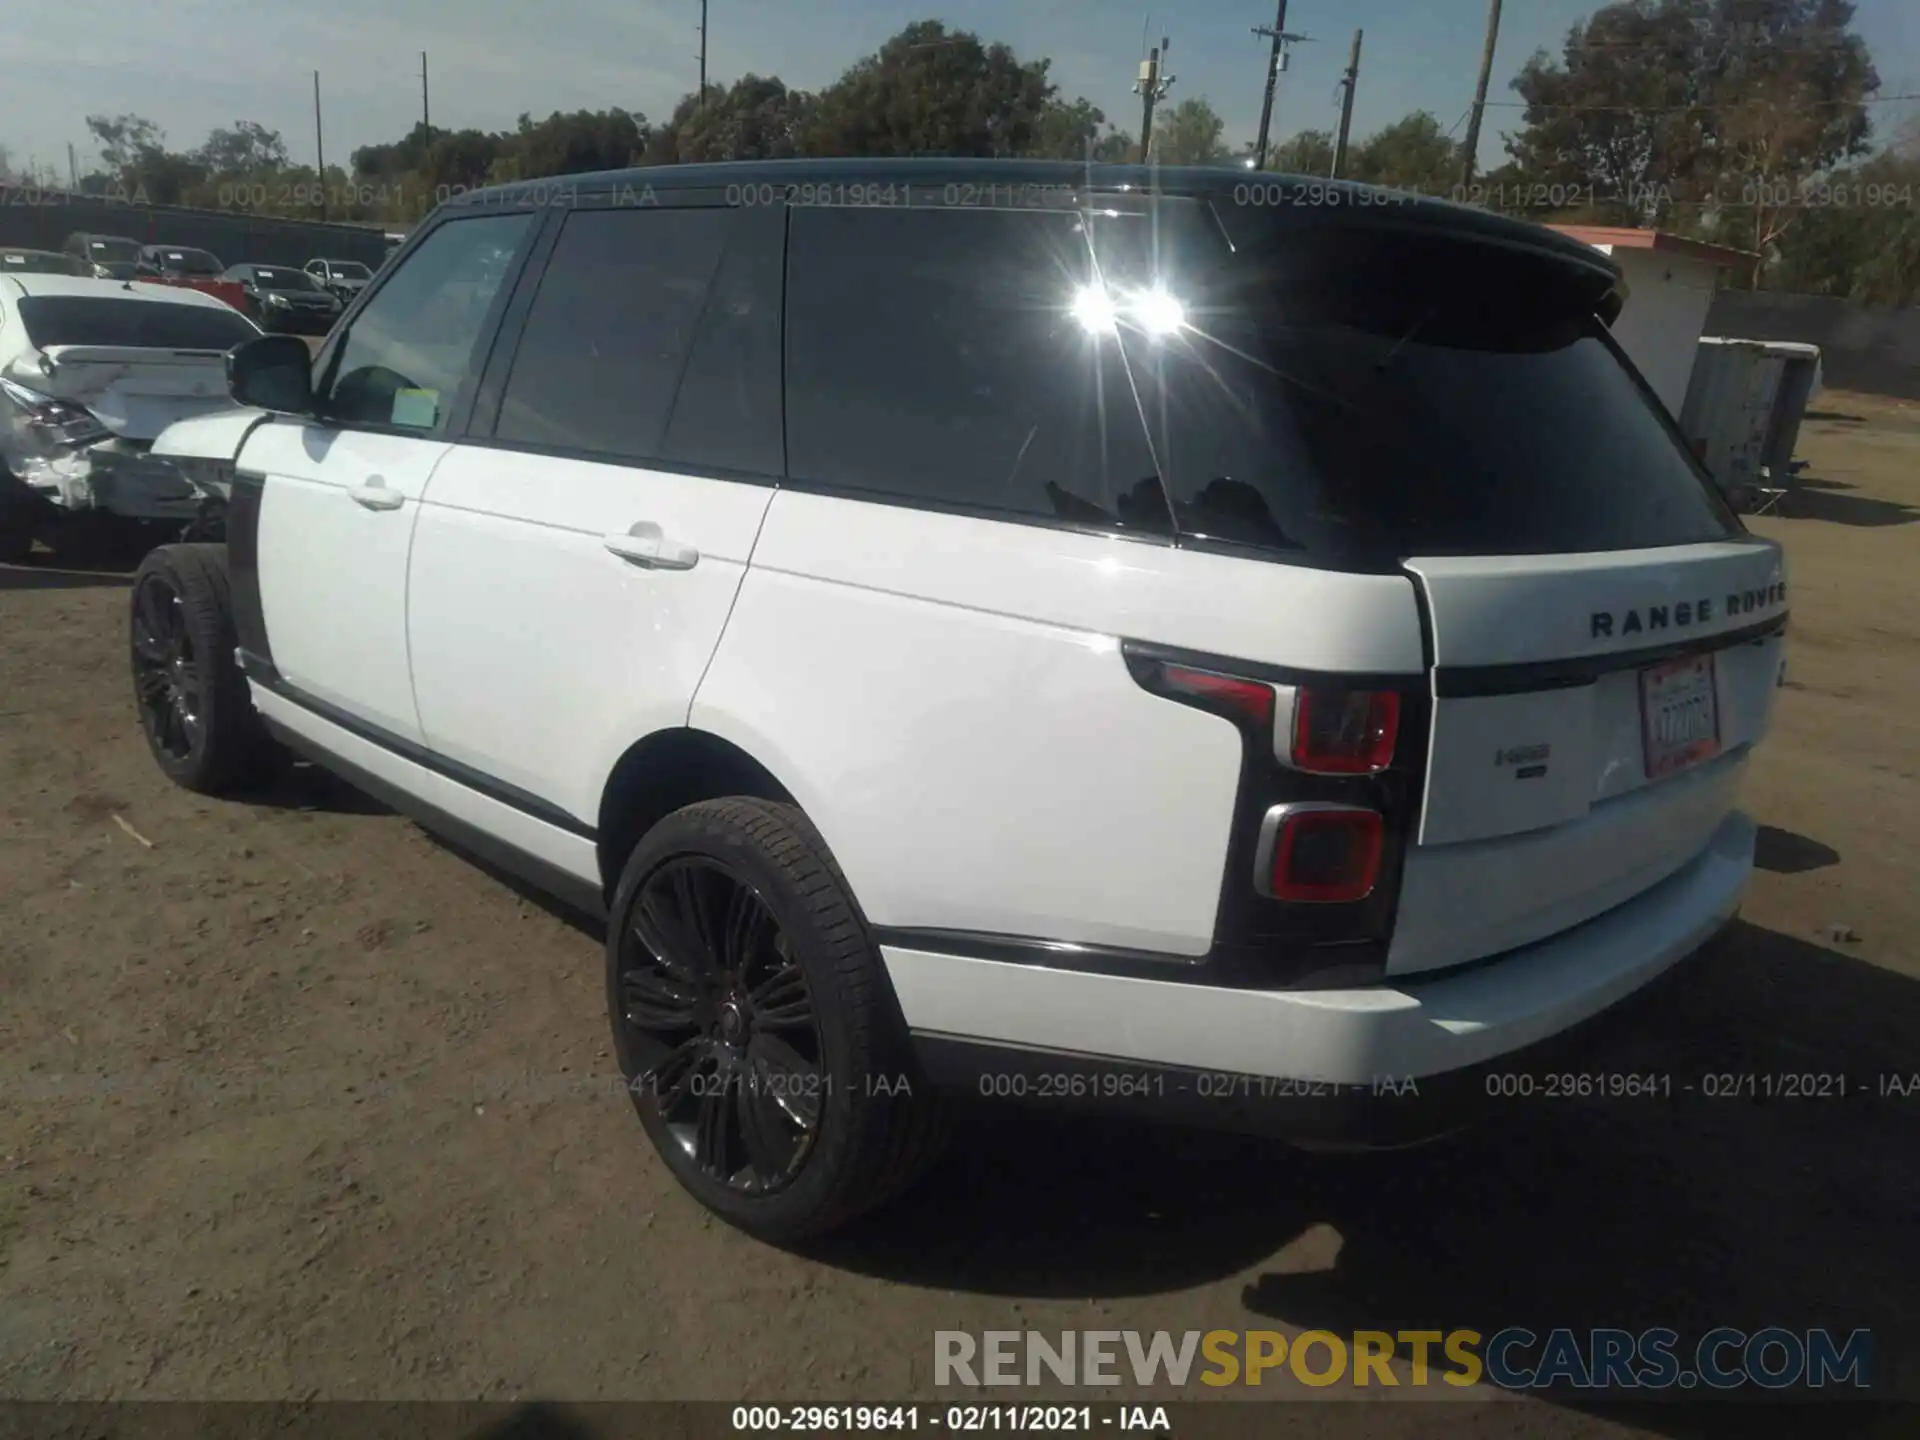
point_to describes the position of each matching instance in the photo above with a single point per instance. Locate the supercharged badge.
(1529, 762)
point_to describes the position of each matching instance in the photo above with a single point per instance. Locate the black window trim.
(453, 426)
(504, 347)
(476, 409)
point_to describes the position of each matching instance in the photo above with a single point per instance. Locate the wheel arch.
(664, 772)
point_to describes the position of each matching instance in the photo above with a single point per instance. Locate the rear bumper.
(1383, 1064)
(297, 322)
(140, 486)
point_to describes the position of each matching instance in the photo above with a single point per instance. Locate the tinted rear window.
(655, 336)
(144, 324)
(932, 357)
(1340, 391)
(187, 262)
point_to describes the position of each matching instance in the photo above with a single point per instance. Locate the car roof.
(110, 289)
(32, 250)
(1199, 182)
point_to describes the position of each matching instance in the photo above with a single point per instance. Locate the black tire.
(189, 693)
(16, 539)
(21, 512)
(875, 1125)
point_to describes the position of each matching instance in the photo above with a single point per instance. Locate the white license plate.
(1679, 714)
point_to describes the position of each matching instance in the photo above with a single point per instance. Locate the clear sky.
(190, 65)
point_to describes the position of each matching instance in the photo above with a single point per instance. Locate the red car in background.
(194, 269)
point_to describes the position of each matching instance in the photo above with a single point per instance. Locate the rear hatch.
(1433, 393)
(138, 364)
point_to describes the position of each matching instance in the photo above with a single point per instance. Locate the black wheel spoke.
(148, 646)
(765, 1131)
(692, 914)
(713, 1125)
(661, 941)
(787, 1077)
(782, 1002)
(746, 922)
(656, 1000)
(671, 1081)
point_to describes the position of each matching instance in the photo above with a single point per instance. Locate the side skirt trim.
(573, 891)
(262, 672)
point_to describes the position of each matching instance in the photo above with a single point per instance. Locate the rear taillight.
(1316, 853)
(1247, 700)
(1340, 732)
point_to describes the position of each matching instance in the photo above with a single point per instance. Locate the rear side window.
(1361, 394)
(654, 336)
(143, 324)
(935, 357)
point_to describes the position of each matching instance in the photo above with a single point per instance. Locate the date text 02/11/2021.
(959, 1419)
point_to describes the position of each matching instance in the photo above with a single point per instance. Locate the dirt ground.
(296, 1102)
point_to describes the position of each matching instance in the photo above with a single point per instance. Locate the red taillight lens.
(1320, 854)
(1344, 732)
(1245, 699)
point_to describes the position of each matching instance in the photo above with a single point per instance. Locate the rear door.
(579, 550)
(338, 497)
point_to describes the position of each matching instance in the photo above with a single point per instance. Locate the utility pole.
(1347, 84)
(1278, 32)
(319, 148)
(73, 169)
(1152, 87)
(1470, 151)
(703, 56)
(426, 116)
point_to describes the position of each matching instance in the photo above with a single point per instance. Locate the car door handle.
(646, 544)
(374, 494)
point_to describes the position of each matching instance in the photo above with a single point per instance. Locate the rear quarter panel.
(946, 698)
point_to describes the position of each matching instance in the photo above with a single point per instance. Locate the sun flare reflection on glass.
(1156, 312)
(1093, 307)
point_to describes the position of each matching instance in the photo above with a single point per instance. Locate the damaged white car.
(91, 372)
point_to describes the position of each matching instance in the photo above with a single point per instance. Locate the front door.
(340, 494)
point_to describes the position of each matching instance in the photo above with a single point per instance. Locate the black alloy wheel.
(719, 1018)
(168, 683)
(194, 707)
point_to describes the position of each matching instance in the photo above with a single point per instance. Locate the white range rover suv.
(1227, 649)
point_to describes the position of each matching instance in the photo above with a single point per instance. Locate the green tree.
(1867, 249)
(1715, 105)
(1079, 130)
(1309, 152)
(245, 149)
(931, 91)
(1413, 153)
(756, 118)
(576, 144)
(1189, 134)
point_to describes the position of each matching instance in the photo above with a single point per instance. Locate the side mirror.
(273, 372)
